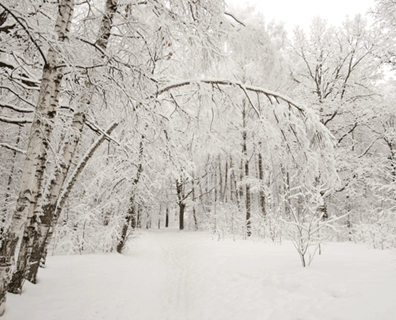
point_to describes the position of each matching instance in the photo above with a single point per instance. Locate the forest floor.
(173, 275)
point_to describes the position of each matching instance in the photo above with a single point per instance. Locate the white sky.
(301, 12)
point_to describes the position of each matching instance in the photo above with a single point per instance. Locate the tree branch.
(16, 108)
(349, 132)
(15, 120)
(233, 17)
(100, 131)
(26, 30)
(19, 97)
(7, 146)
(275, 95)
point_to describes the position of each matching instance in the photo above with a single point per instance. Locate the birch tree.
(36, 154)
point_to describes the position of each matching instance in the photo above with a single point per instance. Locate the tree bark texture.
(131, 217)
(6, 209)
(54, 192)
(262, 193)
(181, 204)
(69, 186)
(246, 172)
(36, 155)
(193, 199)
(49, 219)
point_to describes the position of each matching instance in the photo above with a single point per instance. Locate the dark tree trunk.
(182, 206)
(262, 193)
(193, 198)
(180, 203)
(167, 217)
(130, 218)
(246, 165)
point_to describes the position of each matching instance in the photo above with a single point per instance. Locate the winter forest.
(122, 119)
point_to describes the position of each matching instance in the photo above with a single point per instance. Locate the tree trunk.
(180, 203)
(193, 199)
(36, 155)
(246, 165)
(262, 193)
(232, 181)
(182, 207)
(221, 194)
(57, 209)
(159, 217)
(29, 268)
(27, 265)
(130, 218)
(167, 217)
(6, 209)
(139, 216)
(225, 182)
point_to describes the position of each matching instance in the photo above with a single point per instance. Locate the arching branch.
(277, 96)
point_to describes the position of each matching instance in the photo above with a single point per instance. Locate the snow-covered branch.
(19, 21)
(268, 93)
(7, 146)
(100, 131)
(15, 120)
(17, 95)
(16, 108)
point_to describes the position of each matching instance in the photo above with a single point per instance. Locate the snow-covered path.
(172, 275)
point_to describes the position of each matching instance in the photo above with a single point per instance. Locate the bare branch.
(349, 132)
(18, 121)
(100, 131)
(19, 97)
(370, 145)
(331, 118)
(17, 19)
(250, 101)
(233, 17)
(7, 146)
(16, 108)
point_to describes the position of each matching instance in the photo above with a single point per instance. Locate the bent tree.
(305, 141)
(36, 153)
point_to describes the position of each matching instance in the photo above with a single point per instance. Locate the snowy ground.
(172, 275)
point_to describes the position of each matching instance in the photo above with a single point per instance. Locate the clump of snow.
(173, 275)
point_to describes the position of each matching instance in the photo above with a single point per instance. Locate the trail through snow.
(173, 275)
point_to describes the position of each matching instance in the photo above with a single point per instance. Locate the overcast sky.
(301, 12)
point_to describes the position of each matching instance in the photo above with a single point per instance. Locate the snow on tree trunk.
(262, 193)
(36, 155)
(6, 209)
(53, 196)
(69, 186)
(48, 220)
(246, 169)
(131, 217)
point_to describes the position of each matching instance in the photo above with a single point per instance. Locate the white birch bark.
(36, 154)
(50, 210)
(33, 250)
